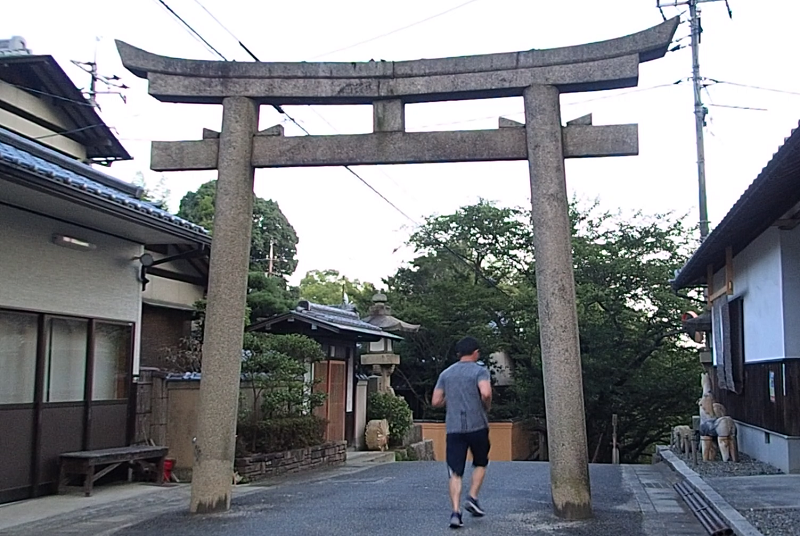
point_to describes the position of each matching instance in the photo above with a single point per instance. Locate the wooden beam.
(727, 288)
(580, 141)
(729, 269)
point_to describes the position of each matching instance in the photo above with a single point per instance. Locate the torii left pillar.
(214, 448)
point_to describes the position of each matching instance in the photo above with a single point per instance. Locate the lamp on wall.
(73, 243)
(147, 261)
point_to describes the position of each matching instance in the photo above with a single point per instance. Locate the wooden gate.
(332, 378)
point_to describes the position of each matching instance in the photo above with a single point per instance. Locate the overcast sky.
(345, 226)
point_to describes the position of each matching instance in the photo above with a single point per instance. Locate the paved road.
(392, 499)
(410, 498)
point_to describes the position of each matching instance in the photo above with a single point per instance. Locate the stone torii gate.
(539, 76)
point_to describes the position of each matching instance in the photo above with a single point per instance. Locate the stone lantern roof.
(380, 315)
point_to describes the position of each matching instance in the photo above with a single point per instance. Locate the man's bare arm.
(438, 398)
(485, 387)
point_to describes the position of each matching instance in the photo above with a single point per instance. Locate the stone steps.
(363, 458)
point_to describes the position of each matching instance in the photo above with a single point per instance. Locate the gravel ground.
(775, 522)
(772, 522)
(746, 466)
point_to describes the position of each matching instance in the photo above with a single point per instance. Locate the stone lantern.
(380, 354)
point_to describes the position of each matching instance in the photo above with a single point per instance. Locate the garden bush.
(278, 435)
(395, 410)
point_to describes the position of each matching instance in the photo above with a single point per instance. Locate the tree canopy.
(268, 223)
(329, 287)
(474, 273)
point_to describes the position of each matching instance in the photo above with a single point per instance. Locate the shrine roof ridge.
(648, 44)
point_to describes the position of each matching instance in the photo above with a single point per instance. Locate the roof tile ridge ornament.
(309, 306)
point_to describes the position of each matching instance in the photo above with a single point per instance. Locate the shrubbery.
(395, 410)
(278, 415)
(277, 435)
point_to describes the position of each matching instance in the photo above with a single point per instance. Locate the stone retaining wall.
(422, 451)
(259, 466)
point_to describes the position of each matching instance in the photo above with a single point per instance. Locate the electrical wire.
(192, 30)
(395, 30)
(46, 94)
(738, 107)
(227, 30)
(749, 86)
(66, 132)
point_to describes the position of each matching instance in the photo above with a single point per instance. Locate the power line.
(738, 107)
(192, 30)
(72, 131)
(773, 90)
(46, 94)
(395, 31)
(227, 30)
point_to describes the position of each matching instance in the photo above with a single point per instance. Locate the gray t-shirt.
(465, 411)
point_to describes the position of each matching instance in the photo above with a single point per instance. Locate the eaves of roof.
(774, 192)
(35, 162)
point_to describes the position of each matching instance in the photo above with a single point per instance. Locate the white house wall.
(790, 266)
(171, 293)
(37, 275)
(758, 279)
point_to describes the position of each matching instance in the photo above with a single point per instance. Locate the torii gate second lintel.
(539, 76)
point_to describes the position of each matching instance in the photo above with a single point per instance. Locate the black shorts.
(457, 444)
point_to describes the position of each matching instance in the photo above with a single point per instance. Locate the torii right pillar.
(558, 320)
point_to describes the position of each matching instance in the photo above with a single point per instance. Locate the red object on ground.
(169, 463)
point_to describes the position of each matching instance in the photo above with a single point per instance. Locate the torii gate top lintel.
(610, 64)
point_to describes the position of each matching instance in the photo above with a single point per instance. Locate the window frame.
(42, 359)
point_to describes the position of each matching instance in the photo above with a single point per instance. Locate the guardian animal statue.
(682, 437)
(377, 434)
(714, 422)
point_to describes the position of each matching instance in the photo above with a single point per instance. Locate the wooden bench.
(86, 462)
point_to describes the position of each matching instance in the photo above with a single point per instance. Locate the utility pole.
(113, 83)
(700, 111)
(271, 256)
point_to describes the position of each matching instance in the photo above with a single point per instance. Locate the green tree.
(275, 367)
(329, 287)
(269, 223)
(268, 296)
(475, 273)
(158, 195)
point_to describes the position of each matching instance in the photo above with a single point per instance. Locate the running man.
(465, 388)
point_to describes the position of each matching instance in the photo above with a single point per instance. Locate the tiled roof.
(14, 154)
(337, 316)
(774, 192)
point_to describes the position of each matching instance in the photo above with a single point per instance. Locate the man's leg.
(479, 446)
(456, 461)
(455, 491)
(478, 473)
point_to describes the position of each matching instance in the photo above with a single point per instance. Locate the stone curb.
(740, 525)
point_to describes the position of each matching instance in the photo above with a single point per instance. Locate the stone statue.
(377, 434)
(682, 437)
(714, 422)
